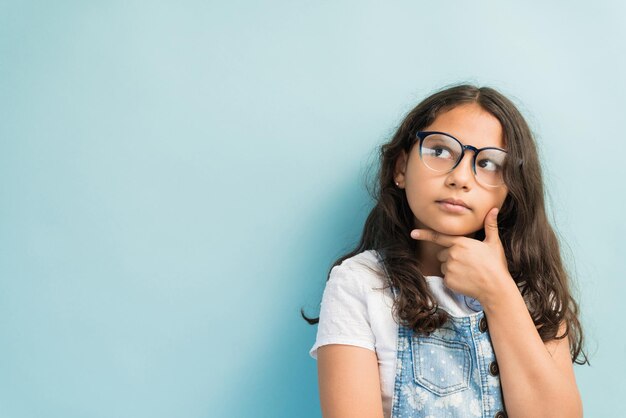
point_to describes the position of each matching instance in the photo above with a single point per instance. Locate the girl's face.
(472, 125)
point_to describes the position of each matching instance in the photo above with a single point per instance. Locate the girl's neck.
(427, 255)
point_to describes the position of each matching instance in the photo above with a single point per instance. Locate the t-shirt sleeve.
(343, 313)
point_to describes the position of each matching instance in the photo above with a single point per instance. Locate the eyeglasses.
(442, 152)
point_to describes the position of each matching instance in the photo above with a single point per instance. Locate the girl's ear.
(400, 169)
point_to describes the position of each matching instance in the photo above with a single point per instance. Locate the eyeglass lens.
(441, 153)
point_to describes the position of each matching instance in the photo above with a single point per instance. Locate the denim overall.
(450, 373)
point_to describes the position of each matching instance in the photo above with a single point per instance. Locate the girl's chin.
(460, 232)
(449, 228)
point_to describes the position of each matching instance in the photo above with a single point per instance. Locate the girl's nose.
(462, 175)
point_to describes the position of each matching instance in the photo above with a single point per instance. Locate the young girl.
(455, 302)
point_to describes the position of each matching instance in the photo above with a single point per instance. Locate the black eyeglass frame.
(421, 135)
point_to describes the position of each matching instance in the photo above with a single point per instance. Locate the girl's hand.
(471, 267)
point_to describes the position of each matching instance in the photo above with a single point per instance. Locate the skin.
(529, 368)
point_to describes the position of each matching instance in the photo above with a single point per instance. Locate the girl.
(455, 302)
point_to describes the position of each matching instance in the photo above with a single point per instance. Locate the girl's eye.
(488, 165)
(437, 152)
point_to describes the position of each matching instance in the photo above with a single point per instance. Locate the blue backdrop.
(177, 177)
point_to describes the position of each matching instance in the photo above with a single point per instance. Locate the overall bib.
(452, 373)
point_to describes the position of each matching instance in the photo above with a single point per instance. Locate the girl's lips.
(449, 207)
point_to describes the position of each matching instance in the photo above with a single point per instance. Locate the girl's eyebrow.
(487, 146)
(465, 143)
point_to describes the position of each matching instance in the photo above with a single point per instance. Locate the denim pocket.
(441, 366)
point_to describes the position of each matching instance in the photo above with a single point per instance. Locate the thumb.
(491, 226)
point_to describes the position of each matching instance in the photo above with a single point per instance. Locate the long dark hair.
(530, 243)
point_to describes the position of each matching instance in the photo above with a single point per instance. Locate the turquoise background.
(177, 178)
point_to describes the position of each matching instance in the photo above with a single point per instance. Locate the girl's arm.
(537, 378)
(535, 383)
(349, 382)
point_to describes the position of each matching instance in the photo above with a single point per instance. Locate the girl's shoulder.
(367, 257)
(364, 268)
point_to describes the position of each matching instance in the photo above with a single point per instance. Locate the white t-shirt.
(356, 311)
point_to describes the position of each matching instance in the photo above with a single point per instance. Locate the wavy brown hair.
(531, 246)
